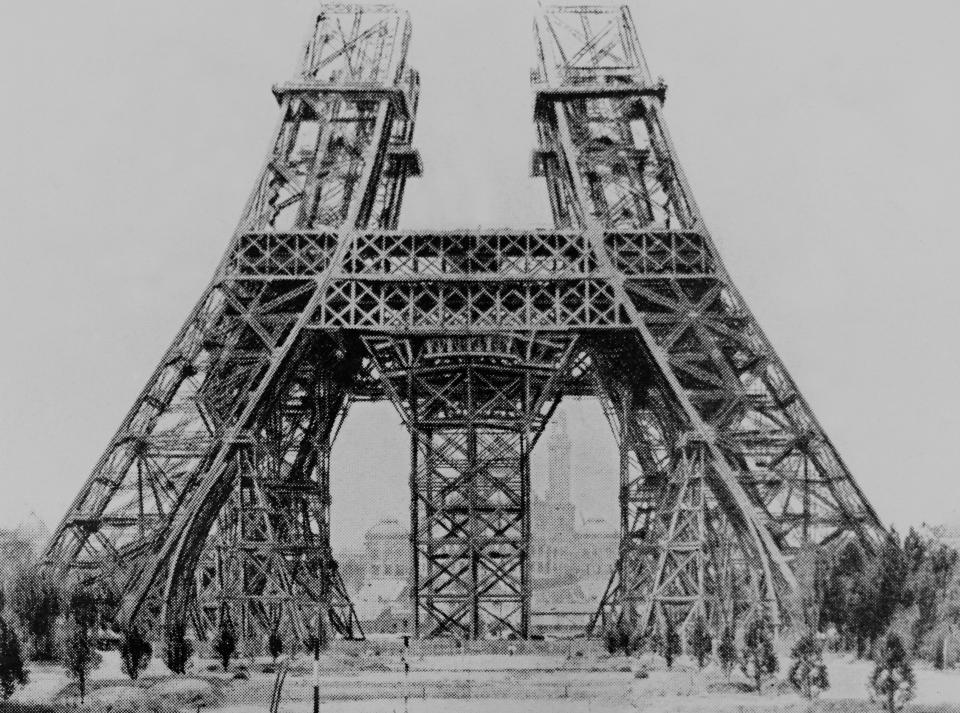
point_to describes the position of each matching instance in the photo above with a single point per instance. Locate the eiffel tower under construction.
(212, 500)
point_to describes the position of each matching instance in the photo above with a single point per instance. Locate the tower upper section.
(584, 46)
(355, 43)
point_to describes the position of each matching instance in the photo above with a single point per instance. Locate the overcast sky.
(821, 139)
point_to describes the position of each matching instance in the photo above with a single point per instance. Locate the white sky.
(820, 138)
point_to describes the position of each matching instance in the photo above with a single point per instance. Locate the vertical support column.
(470, 516)
(470, 531)
(416, 464)
(625, 561)
(470, 480)
(526, 563)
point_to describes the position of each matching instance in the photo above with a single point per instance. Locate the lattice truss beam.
(212, 500)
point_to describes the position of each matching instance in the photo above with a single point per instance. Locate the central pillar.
(470, 512)
(474, 406)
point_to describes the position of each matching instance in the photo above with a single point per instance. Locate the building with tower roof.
(562, 547)
(387, 549)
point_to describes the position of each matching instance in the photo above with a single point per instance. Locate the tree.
(109, 598)
(79, 655)
(914, 552)
(759, 658)
(943, 563)
(135, 651)
(275, 644)
(177, 651)
(812, 567)
(671, 642)
(848, 595)
(875, 593)
(948, 619)
(931, 566)
(700, 640)
(727, 650)
(36, 601)
(891, 576)
(808, 674)
(83, 608)
(892, 681)
(861, 613)
(12, 670)
(312, 644)
(925, 598)
(225, 642)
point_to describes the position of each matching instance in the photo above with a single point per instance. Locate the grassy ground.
(465, 684)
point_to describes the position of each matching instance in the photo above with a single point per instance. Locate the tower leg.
(267, 565)
(472, 530)
(473, 406)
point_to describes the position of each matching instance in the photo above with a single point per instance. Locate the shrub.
(135, 651)
(618, 637)
(892, 682)
(275, 644)
(36, 601)
(759, 658)
(177, 651)
(808, 674)
(671, 642)
(727, 650)
(700, 641)
(225, 642)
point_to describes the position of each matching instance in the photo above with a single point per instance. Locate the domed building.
(387, 546)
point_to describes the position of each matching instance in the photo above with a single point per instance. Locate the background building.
(381, 597)
(387, 550)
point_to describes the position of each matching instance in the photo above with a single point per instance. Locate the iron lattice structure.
(212, 500)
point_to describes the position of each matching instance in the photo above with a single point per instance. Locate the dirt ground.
(468, 684)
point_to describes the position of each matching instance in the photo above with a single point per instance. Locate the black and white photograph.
(468, 356)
